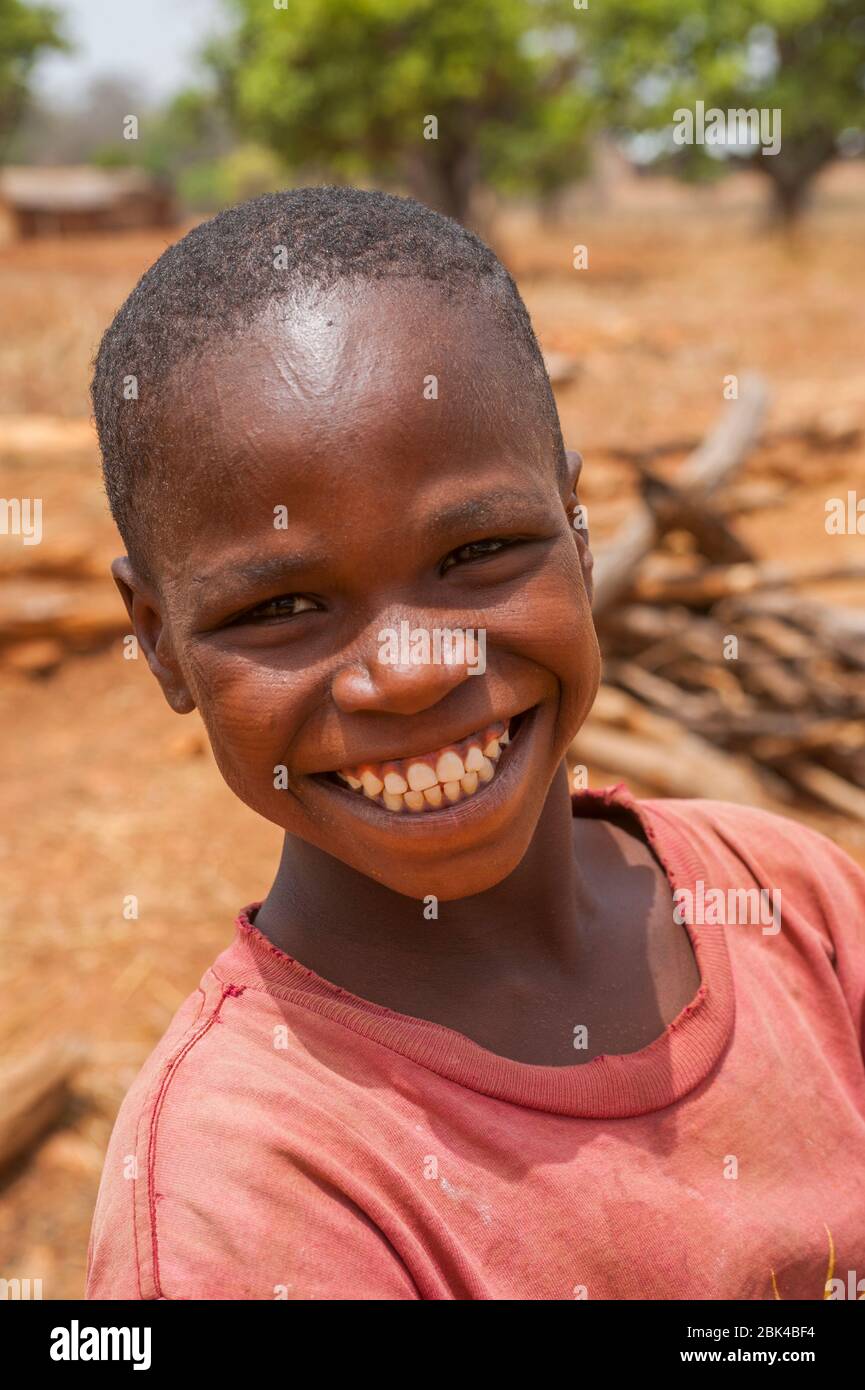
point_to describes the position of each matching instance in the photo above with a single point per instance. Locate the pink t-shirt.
(287, 1139)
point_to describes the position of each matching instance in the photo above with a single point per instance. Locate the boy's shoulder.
(820, 887)
(211, 1170)
(121, 1252)
(761, 839)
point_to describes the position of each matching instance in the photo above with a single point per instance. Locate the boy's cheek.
(244, 712)
(251, 710)
(245, 754)
(563, 637)
(253, 768)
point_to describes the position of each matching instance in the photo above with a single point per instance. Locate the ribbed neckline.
(608, 1087)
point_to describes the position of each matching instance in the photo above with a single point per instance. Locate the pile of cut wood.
(723, 677)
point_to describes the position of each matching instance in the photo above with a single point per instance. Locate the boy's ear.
(574, 468)
(578, 518)
(146, 618)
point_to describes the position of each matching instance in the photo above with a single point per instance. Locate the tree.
(25, 33)
(805, 58)
(439, 97)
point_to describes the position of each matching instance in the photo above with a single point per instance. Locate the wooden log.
(34, 1092)
(676, 511)
(780, 638)
(35, 658)
(749, 495)
(809, 613)
(684, 766)
(703, 588)
(623, 736)
(824, 574)
(848, 764)
(698, 675)
(773, 735)
(711, 464)
(828, 787)
(81, 616)
(838, 632)
(771, 679)
(661, 693)
(692, 634)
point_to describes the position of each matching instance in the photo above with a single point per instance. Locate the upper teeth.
(427, 782)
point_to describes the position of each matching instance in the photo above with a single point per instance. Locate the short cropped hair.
(215, 281)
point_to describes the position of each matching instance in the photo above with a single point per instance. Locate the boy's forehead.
(369, 411)
(359, 382)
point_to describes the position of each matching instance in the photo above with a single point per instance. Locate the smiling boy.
(465, 1048)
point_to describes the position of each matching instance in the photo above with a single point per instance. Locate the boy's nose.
(379, 677)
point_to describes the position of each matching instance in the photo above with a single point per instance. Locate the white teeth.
(417, 786)
(420, 776)
(449, 767)
(371, 784)
(473, 759)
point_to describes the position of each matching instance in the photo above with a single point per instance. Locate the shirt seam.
(305, 1002)
(171, 1068)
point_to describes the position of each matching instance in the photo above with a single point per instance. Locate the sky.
(154, 41)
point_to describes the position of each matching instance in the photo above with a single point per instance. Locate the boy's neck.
(358, 934)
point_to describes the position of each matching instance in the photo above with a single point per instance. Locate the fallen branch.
(34, 1093)
(712, 463)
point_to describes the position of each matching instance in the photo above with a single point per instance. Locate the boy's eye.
(475, 550)
(286, 606)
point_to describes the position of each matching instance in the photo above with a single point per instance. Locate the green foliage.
(25, 33)
(190, 131)
(243, 173)
(343, 87)
(804, 57)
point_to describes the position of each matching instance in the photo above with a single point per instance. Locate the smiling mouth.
(432, 781)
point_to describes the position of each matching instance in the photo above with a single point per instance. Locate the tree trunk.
(791, 173)
(445, 178)
(789, 201)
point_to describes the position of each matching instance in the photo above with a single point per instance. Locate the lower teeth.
(435, 798)
(442, 794)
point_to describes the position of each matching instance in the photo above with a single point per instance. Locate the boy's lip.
(432, 748)
(486, 801)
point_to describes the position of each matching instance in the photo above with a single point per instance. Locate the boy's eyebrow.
(261, 571)
(481, 511)
(469, 512)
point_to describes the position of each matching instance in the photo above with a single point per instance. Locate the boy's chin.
(454, 876)
(448, 849)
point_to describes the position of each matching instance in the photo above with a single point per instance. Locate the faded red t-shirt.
(287, 1139)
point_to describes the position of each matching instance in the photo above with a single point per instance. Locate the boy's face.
(373, 459)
